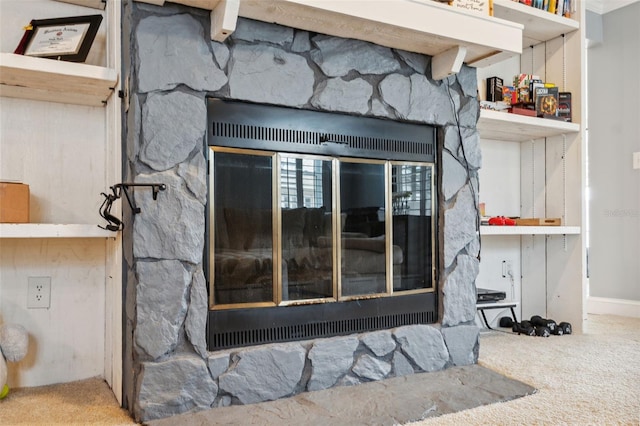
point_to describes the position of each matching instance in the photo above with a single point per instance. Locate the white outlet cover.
(38, 292)
(636, 160)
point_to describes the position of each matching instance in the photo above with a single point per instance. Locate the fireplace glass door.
(297, 229)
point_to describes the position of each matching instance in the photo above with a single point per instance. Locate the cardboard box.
(538, 221)
(14, 202)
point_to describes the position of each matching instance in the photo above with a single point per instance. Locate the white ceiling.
(606, 6)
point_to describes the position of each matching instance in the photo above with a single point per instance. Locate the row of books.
(559, 7)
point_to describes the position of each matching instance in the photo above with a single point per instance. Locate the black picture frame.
(65, 39)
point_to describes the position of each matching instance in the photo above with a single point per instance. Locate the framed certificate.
(67, 39)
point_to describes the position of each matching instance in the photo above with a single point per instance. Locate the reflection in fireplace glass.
(344, 228)
(242, 227)
(307, 233)
(412, 206)
(363, 238)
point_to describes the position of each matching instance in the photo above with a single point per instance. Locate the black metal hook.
(116, 224)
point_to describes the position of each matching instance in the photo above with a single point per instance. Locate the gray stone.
(301, 42)
(452, 139)
(174, 386)
(337, 56)
(371, 368)
(173, 125)
(330, 359)
(264, 374)
(473, 248)
(380, 342)
(417, 61)
(378, 109)
(196, 321)
(194, 173)
(249, 30)
(221, 53)
(172, 51)
(344, 96)
(463, 343)
(429, 102)
(459, 225)
(269, 75)
(459, 292)
(134, 126)
(170, 227)
(454, 175)
(467, 77)
(468, 112)
(401, 366)
(349, 380)
(224, 401)
(218, 363)
(162, 305)
(395, 90)
(471, 144)
(424, 345)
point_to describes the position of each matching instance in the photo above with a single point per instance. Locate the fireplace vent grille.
(313, 330)
(278, 129)
(367, 143)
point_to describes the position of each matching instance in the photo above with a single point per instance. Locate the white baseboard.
(606, 306)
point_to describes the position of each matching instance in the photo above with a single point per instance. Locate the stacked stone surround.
(173, 68)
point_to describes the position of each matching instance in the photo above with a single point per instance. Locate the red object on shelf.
(501, 221)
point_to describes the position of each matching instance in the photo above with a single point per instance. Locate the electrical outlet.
(636, 160)
(38, 292)
(507, 268)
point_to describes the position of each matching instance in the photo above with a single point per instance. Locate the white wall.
(59, 150)
(614, 134)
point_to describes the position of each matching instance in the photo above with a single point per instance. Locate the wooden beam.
(448, 62)
(223, 19)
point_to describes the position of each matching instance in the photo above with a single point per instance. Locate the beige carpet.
(587, 379)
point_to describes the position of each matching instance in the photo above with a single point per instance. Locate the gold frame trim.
(336, 223)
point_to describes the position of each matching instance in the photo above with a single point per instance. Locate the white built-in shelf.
(48, 230)
(505, 126)
(41, 79)
(422, 26)
(95, 4)
(539, 25)
(529, 230)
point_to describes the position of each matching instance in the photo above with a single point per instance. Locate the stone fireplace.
(174, 69)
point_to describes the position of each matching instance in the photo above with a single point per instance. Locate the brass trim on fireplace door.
(388, 228)
(215, 149)
(276, 229)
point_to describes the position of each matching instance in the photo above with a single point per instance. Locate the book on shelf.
(546, 101)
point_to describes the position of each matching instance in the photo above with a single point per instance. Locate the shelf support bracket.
(448, 62)
(224, 19)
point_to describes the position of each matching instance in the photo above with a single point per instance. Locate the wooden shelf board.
(539, 25)
(48, 230)
(55, 81)
(95, 4)
(514, 127)
(421, 26)
(529, 230)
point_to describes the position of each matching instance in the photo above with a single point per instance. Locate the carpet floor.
(591, 378)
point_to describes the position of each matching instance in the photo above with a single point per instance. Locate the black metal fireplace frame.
(245, 125)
